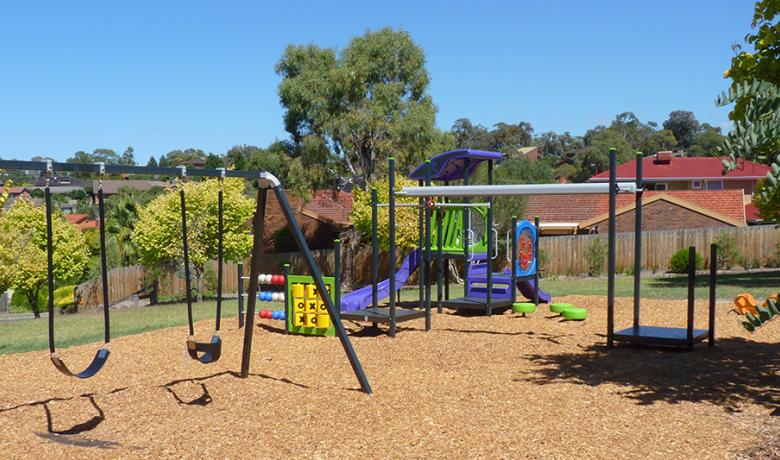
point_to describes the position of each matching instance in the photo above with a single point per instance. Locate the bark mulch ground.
(503, 386)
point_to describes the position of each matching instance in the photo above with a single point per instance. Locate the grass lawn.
(32, 334)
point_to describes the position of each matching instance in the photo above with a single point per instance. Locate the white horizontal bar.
(513, 190)
(437, 205)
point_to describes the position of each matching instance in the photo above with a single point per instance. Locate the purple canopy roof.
(450, 165)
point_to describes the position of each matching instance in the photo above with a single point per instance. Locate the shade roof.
(452, 165)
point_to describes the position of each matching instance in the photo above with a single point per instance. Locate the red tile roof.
(17, 190)
(578, 208)
(686, 168)
(332, 206)
(751, 213)
(81, 221)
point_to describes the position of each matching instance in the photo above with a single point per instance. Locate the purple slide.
(361, 298)
(527, 289)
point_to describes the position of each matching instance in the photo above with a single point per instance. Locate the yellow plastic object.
(297, 290)
(311, 306)
(323, 321)
(311, 320)
(299, 319)
(321, 308)
(299, 305)
(745, 304)
(311, 291)
(771, 297)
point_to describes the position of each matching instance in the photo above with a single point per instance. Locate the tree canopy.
(157, 232)
(352, 110)
(23, 258)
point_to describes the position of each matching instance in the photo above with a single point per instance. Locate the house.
(532, 153)
(321, 219)
(81, 221)
(111, 187)
(14, 193)
(670, 210)
(665, 171)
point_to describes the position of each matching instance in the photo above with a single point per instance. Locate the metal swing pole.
(611, 248)
(427, 252)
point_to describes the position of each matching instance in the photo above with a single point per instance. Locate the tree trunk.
(199, 284)
(350, 241)
(32, 299)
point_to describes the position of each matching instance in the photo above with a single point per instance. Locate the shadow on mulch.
(62, 436)
(735, 372)
(205, 398)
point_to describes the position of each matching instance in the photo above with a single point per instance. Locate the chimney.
(663, 157)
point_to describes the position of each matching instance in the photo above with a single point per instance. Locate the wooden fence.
(565, 254)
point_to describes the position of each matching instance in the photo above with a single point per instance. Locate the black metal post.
(537, 226)
(49, 266)
(691, 293)
(103, 264)
(713, 285)
(611, 248)
(391, 255)
(337, 277)
(439, 258)
(489, 255)
(258, 228)
(638, 242)
(219, 255)
(427, 252)
(513, 259)
(240, 269)
(374, 248)
(316, 274)
(187, 283)
(421, 245)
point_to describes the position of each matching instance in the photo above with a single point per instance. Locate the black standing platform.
(382, 315)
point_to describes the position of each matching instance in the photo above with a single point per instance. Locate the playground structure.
(463, 231)
(756, 315)
(636, 333)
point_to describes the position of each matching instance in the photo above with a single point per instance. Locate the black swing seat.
(205, 352)
(94, 367)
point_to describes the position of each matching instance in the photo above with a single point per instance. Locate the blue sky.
(165, 75)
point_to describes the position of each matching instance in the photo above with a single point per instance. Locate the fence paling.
(565, 253)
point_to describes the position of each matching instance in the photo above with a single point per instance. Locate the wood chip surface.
(497, 387)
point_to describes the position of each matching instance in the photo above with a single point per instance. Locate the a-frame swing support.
(268, 181)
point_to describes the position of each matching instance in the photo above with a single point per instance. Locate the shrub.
(596, 255)
(728, 253)
(679, 261)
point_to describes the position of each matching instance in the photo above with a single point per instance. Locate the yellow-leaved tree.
(23, 254)
(157, 233)
(406, 219)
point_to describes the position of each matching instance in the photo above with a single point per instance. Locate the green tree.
(658, 141)
(214, 161)
(557, 145)
(128, 157)
(755, 92)
(470, 136)
(365, 104)
(182, 157)
(707, 141)
(152, 163)
(23, 258)
(121, 216)
(157, 232)
(763, 61)
(684, 125)
(594, 158)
